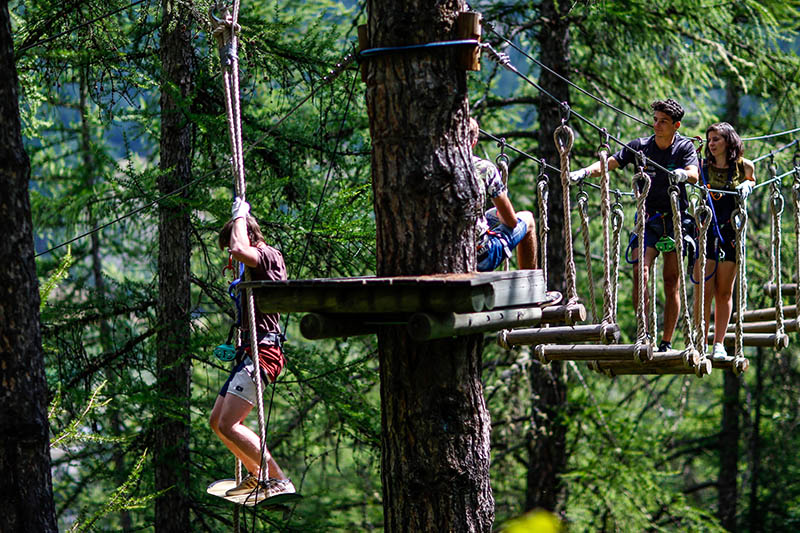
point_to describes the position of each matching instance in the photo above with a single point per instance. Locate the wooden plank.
(523, 290)
(608, 334)
(593, 352)
(458, 293)
(662, 363)
(323, 326)
(757, 315)
(766, 340)
(767, 326)
(564, 314)
(427, 326)
(787, 289)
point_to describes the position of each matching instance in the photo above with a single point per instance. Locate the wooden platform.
(440, 293)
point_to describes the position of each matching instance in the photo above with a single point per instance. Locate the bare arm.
(505, 210)
(240, 246)
(594, 168)
(693, 172)
(749, 170)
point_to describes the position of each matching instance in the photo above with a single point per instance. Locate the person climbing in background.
(723, 168)
(245, 242)
(667, 148)
(501, 229)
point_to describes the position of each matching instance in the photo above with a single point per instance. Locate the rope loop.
(582, 197)
(542, 167)
(604, 139)
(564, 145)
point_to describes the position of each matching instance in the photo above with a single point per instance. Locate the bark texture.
(172, 423)
(25, 480)
(435, 427)
(546, 446)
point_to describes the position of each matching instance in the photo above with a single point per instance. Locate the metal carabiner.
(229, 266)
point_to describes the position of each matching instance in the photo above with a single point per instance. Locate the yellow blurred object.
(537, 521)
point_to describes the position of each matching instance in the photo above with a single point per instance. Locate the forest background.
(627, 454)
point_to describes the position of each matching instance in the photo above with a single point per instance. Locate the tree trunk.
(546, 448)
(25, 481)
(729, 435)
(435, 427)
(106, 342)
(754, 512)
(173, 363)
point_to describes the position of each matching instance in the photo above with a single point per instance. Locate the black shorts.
(726, 246)
(658, 226)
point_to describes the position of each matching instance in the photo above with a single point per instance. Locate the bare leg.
(672, 299)
(708, 293)
(725, 277)
(526, 249)
(226, 420)
(649, 256)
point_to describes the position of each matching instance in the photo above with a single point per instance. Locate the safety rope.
(703, 218)
(777, 205)
(690, 349)
(543, 189)
(796, 196)
(225, 31)
(564, 138)
(502, 165)
(617, 220)
(739, 222)
(582, 200)
(640, 178)
(605, 214)
(652, 311)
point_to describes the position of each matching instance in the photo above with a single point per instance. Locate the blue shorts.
(502, 240)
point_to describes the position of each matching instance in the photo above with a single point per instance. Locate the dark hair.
(732, 140)
(670, 107)
(253, 233)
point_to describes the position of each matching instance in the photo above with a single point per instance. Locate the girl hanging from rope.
(724, 168)
(242, 236)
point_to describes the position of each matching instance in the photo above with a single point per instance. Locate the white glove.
(577, 175)
(744, 189)
(680, 175)
(240, 208)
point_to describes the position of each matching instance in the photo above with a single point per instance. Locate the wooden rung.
(733, 364)
(766, 340)
(757, 315)
(608, 334)
(324, 326)
(594, 352)
(671, 362)
(427, 326)
(564, 314)
(787, 289)
(768, 326)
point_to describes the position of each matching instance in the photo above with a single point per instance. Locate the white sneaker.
(279, 486)
(719, 350)
(247, 486)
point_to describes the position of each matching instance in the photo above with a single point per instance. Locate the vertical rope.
(225, 32)
(605, 214)
(796, 196)
(564, 146)
(739, 221)
(703, 218)
(690, 349)
(641, 215)
(777, 205)
(617, 220)
(652, 312)
(583, 199)
(502, 166)
(544, 228)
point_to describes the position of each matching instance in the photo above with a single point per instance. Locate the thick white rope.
(564, 146)
(583, 200)
(225, 32)
(739, 222)
(642, 178)
(677, 231)
(617, 220)
(544, 228)
(702, 219)
(605, 213)
(777, 205)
